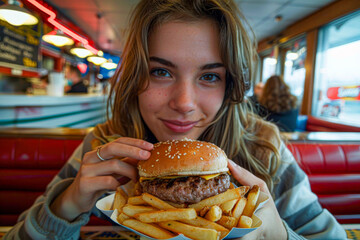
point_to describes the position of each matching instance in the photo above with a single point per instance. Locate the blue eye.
(160, 72)
(210, 77)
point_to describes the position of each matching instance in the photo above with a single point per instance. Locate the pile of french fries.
(211, 218)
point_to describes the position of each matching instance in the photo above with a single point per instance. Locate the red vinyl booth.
(314, 124)
(28, 162)
(334, 173)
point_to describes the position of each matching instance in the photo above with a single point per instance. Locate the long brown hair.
(234, 128)
(276, 95)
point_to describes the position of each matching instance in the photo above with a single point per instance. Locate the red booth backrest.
(27, 165)
(334, 174)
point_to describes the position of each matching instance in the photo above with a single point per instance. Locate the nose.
(183, 98)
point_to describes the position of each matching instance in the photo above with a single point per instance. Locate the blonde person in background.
(185, 69)
(278, 105)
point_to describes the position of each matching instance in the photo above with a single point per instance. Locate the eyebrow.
(162, 61)
(170, 64)
(211, 66)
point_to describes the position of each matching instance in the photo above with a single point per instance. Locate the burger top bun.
(185, 158)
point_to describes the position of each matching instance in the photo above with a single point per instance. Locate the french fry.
(214, 214)
(148, 229)
(203, 211)
(202, 222)
(190, 231)
(227, 222)
(221, 213)
(138, 200)
(131, 210)
(221, 198)
(120, 199)
(252, 198)
(226, 207)
(122, 216)
(156, 202)
(245, 222)
(239, 208)
(166, 215)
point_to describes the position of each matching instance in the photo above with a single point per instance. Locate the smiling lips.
(178, 126)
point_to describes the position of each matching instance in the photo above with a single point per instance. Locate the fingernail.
(148, 145)
(144, 154)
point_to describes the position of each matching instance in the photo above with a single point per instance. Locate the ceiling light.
(292, 55)
(270, 61)
(97, 60)
(58, 39)
(16, 15)
(109, 65)
(81, 52)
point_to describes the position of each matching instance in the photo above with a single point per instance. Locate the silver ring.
(98, 154)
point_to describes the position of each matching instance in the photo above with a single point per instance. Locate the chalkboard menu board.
(20, 45)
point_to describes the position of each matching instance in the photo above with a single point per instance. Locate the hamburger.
(184, 171)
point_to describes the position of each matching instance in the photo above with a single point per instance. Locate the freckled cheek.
(153, 98)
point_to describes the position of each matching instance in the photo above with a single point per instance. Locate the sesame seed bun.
(184, 158)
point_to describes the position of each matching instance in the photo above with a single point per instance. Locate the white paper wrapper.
(105, 204)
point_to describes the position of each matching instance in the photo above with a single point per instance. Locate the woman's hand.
(96, 177)
(272, 226)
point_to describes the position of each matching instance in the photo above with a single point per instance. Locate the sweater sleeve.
(298, 206)
(38, 222)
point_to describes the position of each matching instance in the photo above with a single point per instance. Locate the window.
(337, 75)
(269, 67)
(294, 69)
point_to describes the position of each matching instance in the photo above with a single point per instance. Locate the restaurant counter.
(42, 111)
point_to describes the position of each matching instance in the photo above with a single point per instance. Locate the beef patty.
(186, 189)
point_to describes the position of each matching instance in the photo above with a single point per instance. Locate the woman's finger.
(131, 161)
(90, 185)
(135, 142)
(245, 177)
(117, 150)
(109, 167)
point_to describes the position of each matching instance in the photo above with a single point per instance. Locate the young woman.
(278, 105)
(184, 72)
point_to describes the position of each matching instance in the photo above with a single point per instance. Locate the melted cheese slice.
(206, 177)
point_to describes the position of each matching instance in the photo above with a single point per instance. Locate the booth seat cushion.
(334, 174)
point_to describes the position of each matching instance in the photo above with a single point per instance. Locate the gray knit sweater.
(299, 208)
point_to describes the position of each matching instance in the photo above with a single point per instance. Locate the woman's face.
(187, 80)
